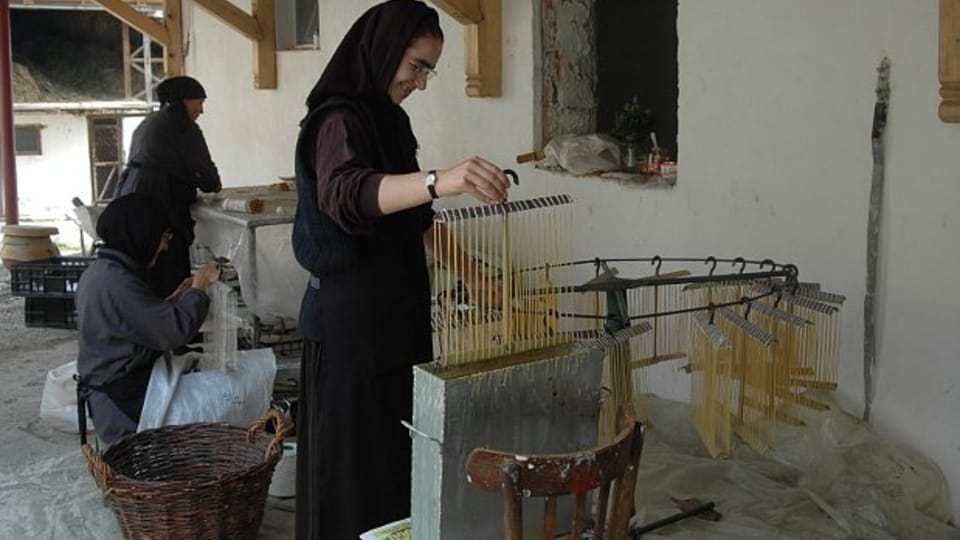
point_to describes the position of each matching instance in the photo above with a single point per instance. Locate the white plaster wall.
(775, 117)
(46, 183)
(776, 101)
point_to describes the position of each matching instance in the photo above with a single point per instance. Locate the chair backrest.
(611, 470)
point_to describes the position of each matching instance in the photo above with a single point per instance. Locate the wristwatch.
(431, 182)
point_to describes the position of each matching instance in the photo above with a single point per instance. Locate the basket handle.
(100, 469)
(280, 425)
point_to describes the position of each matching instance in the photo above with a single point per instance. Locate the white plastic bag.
(237, 397)
(583, 154)
(58, 403)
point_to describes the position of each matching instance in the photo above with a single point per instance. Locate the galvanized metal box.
(543, 401)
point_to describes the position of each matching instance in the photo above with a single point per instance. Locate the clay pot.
(27, 243)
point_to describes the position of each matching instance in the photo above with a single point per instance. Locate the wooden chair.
(611, 468)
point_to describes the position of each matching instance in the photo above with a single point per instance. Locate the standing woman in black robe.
(364, 208)
(169, 160)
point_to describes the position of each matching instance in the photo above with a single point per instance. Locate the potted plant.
(632, 125)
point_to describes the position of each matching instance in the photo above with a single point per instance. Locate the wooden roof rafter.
(141, 5)
(482, 43)
(258, 27)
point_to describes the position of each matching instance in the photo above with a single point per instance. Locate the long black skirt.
(353, 455)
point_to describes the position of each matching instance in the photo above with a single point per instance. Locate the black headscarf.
(365, 62)
(176, 89)
(132, 225)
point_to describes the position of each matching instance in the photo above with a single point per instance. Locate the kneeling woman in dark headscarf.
(123, 326)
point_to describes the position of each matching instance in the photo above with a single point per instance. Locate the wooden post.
(950, 60)
(482, 43)
(173, 49)
(265, 48)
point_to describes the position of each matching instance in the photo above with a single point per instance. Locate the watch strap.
(431, 183)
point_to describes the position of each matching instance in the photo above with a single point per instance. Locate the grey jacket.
(122, 329)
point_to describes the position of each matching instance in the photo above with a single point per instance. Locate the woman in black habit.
(364, 208)
(169, 160)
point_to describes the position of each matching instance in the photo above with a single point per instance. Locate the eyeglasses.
(167, 235)
(419, 68)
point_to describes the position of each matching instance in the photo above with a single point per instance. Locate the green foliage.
(633, 122)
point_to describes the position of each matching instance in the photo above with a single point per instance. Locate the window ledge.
(624, 178)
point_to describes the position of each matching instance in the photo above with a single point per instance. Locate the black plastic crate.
(42, 312)
(55, 277)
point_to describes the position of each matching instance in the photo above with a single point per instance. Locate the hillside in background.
(66, 55)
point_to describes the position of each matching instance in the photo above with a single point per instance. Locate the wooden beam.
(483, 46)
(78, 3)
(265, 48)
(150, 27)
(233, 17)
(950, 60)
(482, 43)
(258, 27)
(173, 51)
(464, 11)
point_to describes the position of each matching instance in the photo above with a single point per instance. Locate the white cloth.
(58, 403)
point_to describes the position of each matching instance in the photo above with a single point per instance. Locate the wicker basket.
(199, 481)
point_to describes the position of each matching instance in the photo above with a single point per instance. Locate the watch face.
(431, 181)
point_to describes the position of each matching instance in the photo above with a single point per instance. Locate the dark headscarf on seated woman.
(365, 62)
(133, 225)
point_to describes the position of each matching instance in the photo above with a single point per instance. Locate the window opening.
(106, 154)
(297, 23)
(27, 141)
(597, 56)
(638, 60)
(308, 23)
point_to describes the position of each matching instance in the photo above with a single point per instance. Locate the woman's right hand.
(476, 177)
(206, 275)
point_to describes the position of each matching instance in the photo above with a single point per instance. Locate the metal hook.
(512, 173)
(773, 266)
(747, 304)
(793, 277)
(743, 263)
(779, 297)
(657, 261)
(711, 260)
(713, 311)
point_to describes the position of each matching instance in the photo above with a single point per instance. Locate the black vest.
(319, 244)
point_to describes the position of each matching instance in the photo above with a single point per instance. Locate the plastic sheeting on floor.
(833, 478)
(56, 498)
